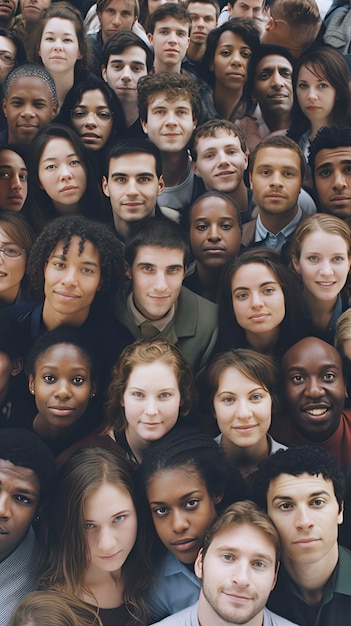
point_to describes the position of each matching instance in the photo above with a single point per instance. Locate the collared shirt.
(139, 318)
(277, 241)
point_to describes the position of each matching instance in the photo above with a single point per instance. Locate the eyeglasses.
(104, 115)
(12, 251)
(7, 58)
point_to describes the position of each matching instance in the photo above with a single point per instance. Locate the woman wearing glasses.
(62, 178)
(16, 239)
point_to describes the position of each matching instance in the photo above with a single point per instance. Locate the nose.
(151, 408)
(126, 74)
(171, 119)
(69, 276)
(326, 269)
(242, 409)
(90, 119)
(58, 44)
(236, 58)
(339, 181)
(179, 521)
(249, 13)
(62, 389)
(303, 519)
(106, 540)
(132, 189)
(240, 574)
(275, 179)
(65, 171)
(214, 233)
(277, 79)
(160, 282)
(16, 182)
(5, 510)
(256, 299)
(172, 37)
(223, 157)
(27, 111)
(312, 94)
(314, 388)
(117, 19)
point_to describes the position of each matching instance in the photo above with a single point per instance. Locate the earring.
(32, 392)
(93, 394)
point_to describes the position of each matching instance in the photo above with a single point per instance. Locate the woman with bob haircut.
(62, 178)
(258, 303)
(321, 256)
(53, 609)
(97, 550)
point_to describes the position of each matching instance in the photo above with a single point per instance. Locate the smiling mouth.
(316, 412)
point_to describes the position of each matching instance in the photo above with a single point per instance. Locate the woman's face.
(13, 181)
(92, 119)
(62, 385)
(323, 265)
(316, 97)
(258, 299)
(243, 409)
(59, 47)
(110, 526)
(12, 267)
(62, 175)
(230, 61)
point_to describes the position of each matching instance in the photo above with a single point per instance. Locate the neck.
(196, 52)
(226, 101)
(276, 121)
(240, 196)
(63, 84)
(275, 223)
(136, 443)
(245, 459)
(209, 279)
(164, 67)
(311, 578)
(52, 319)
(131, 111)
(321, 310)
(175, 167)
(47, 431)
(263, 342)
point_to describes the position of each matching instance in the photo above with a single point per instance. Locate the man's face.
(306, 513)
(123, 72)
(169, 123)
(203, 19)
(238, 573)
(220, 161)
(314, 387)
(117, 15)
(132, 186)
(19, 500)
(32, 9)
(245, 8)
(276, 179)
(273, 84)
(170, 40)
(157, 274)
(8, 10)
(333, 180)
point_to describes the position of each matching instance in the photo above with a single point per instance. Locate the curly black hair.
(63, 229)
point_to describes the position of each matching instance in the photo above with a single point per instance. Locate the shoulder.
(272, 619)
(187, 617)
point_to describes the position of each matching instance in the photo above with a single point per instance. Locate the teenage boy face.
(333, 180)
(220, 161)
(19, 499)
(132, 186)
(157, 274)
(117, 15)
(203, 19)
(123, 72)
(245, 8)
(170, 40)
(169, 123)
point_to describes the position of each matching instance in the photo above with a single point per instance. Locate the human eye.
(144, 179)
(201, 227)
(50, 167)
(225, 53)
(110, 10)
(165, 395)
(263, 75)
(68, 40)
(318, 503)
(137, 394)
(137, 68)
(87, 270)
(268, 291)
(256, 397)
(329, 377)
(324, 173)
(49, 38)
(182, 33)
(245, 53)
(49, 378)
(78, 381)
(285, 73)
(23, 499)
(313, 258)
(126, 13)
(89, 525)
(105, 116)
(209, 155)
(323, 85)
(23, 176)
(16, 102)
(147, 268)
(74, 162)
(297, 379)
(163, 31)
(265, 172)
(160, 511)
(228, 400)
(174, 269)
(259, 565)
(289, 174)
(12, 252)
(228, 558)
(302, 85)
(241, 295)
(192, 504)
(285, 506)
(119, 518)
(78, 114)
(338, 259)
(4, 174)
(117, 66)
(226, 226)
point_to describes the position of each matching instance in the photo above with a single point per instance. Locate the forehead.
(61, 25)
(244, 537)
(129, 55)
(133, 164)
(162, 257)
(74, 248)
(279, 157)
(251, 274)
(18, 474)
(201, 8)
(60, 353)
(215, 208)
(298, 487)
(29, 87)
(120, 4)
(272, 61)
(222, 138)
(333, 156)
(7, 44)
(10, 157)
(57, 145)
(174, 23)
(231, 39)
(92, 96)
(161, 100)
(312, 353)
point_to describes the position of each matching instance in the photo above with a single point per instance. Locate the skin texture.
(62, 175)
(117, 15)
(220, 161)
(333, 180)
(7, 13)
(6, 45)
(13, 181)
(123, 72)
(238, 573)
(11, 269)
(230, 61)
(157, 275)
(314, 388)
(169, 123)
(32, 9)
(215, 233)
(71, 283)
(59, 47)
(95, 129)
(245, 8)
(203, 19)
(273, 84)
(316, 97)
(182, 509)
(110, 523)
(170, 40)
(28, 108)
(19, 500)
(62, 385)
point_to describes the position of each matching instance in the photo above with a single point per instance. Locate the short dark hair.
(297, 460)
(246, 28)
(265, 50)
(169, 9)
(172, 86)
(210, 128)
(278, 141)
(135, 146)
(212, 193)
(25, 449)
(213, 3)
(122, 40)
(328, 138)
(156, 232)
(63, 229)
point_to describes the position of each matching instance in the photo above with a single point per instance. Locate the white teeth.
(316, 412)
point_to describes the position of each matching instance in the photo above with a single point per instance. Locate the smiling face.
(314, 388)
(306, 513)
(182, 510)
(323, 265)
(273, 84)
(243, 409)
(215, 234)
(123, 72)
(11, 269)
(170, 40)
(151, 402)
(19, 500)
(110, 523)
(28, 108)
(71, 282)
(92, 119)
(333, 180)
(117, 15)
(258, 299)
(316, 97)
(13, 181)
(169, 123)
(59, 47)
(62, 175)
(238, 573)
(62, 385)
(220, 162)
(230, 61)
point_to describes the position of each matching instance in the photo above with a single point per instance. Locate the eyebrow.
(26, 490)
(137, 174)
(255, 557)
(10, 167)
(53, 158)
(113, 515)
(331, 164)
(269, 282)
(314, 494)
(63, 257)
(325, 366)
(52, 32)
(183, 497)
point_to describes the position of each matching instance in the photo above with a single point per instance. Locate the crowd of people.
(175, 313)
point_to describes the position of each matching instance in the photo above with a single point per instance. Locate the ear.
(31, 384)
(4, 106)
(93, 390)
(270, 24)
(275, 575)
(195, 168)
(161, 185)
(128, 270)
(218, 498)
(150, 38)
(194, 124)
(341, 514)
(17, 366)
(54, 111)
(250, 180)
(144, 126)
(198, 564)
(103, 73)
(296, 264)
(105, 186)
